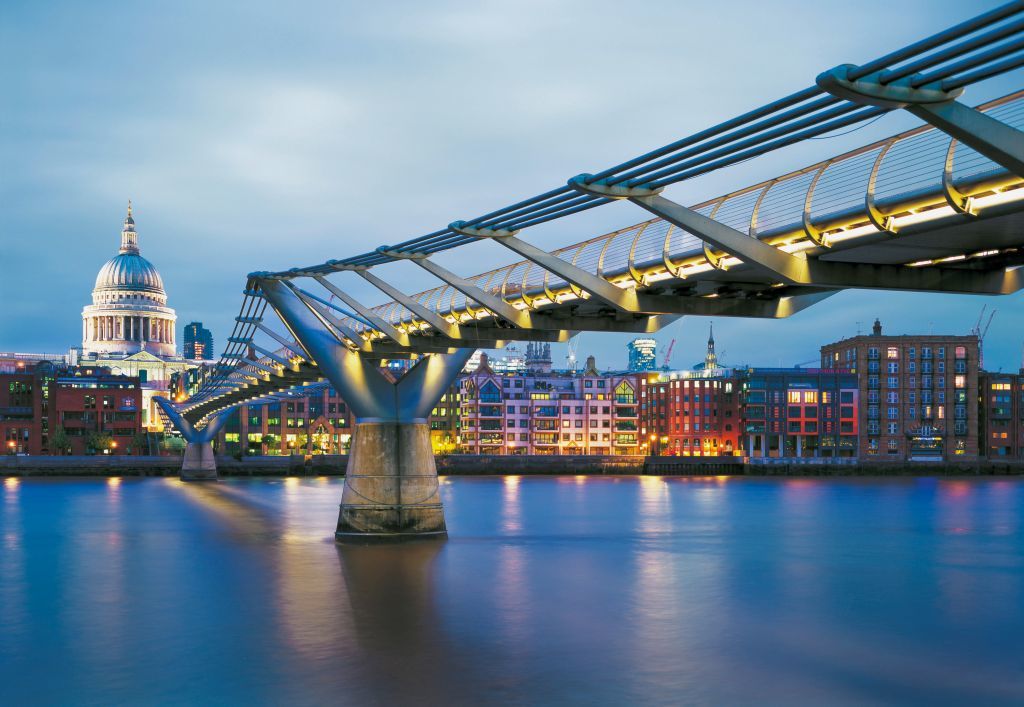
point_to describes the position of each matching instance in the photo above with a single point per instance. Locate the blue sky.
(287, 134)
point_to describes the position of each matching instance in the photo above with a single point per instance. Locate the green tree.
(59, 441)
(101, 441)
(272, 443)
(173, 445)
(140, 443)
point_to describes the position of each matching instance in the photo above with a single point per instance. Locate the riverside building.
(918, 393)
(70, 410)
(549, 412)
(1001, 415)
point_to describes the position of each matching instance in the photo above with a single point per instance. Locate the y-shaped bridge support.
(391, 490)
(198, 463)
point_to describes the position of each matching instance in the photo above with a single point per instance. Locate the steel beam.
(292, 346)
(439, 323)
(496, 305)
(998, 141)
(343, 329)
(1001, 143)
(399, 337)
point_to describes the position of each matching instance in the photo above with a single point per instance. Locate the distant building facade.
(918, 393)
(798, 412)
(549, 413)
(1001, 415)
(70, 410)
(643, 354)
(311, 422)
(198, 344)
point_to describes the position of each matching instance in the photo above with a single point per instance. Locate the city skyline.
(216, 155)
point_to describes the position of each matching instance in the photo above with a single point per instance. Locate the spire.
(129, 239)
(711, 358)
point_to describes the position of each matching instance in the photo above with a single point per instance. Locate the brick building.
(313, 421)
(798, 412)
(96, 411)
(20, 427)
(690, 413)
(92, 404)
(549, 413)
(918, 393)
(1001, 415)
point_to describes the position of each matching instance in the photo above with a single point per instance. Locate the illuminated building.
(549, 413)
(198, 342)
(642, 354)
(918, 393)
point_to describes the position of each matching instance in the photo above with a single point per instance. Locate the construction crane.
(980, 332)
(668, 355)
(570, 357)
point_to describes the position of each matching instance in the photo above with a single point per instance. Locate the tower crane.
(668, 355)
(980, 332)
(570, 357)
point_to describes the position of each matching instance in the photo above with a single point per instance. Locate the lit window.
(892, 352)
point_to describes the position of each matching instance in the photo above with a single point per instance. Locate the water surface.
(564, 590)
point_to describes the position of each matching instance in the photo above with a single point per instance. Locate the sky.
(266, 135)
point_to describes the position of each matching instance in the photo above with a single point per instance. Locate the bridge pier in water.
(391, 490)
(198, 463)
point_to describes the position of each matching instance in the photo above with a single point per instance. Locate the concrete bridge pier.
(391, 491)
(198, 463)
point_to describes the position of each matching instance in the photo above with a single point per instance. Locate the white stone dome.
(129, 311)
(130, 271)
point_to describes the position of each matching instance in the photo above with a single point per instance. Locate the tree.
(59, 441)
(140, 443)
(101, 441)
(173, 445)
(272, 443)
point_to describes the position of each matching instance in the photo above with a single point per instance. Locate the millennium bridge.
(939, 208)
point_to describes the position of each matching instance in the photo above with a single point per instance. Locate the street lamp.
(654, 450)
(664, 443)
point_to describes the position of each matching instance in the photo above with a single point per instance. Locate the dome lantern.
(129, 239)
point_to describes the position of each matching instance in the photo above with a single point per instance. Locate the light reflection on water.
(603, 590)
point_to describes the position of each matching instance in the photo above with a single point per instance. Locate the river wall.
(487, 465)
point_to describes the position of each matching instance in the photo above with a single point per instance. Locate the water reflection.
(573, 590)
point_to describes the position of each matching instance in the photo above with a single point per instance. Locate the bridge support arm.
(998, 141)
(1001, 143)
(391, 490)
(198, 462)
(788, 268)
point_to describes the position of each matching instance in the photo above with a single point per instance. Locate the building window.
(892, 353)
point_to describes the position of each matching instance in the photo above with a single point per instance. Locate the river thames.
(569, 590)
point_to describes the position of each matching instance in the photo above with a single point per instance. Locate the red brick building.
(690, 413)
(1001, 415)
(95, 411)
(19, 425)
(918, 393)
(99, 413)
(315, 422)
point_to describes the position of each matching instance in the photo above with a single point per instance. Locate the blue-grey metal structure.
(937, 208)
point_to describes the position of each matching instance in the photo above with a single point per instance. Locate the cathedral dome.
(129, 271)
(129, 311)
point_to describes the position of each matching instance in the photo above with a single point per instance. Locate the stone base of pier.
(391, 490)
(199, 463)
